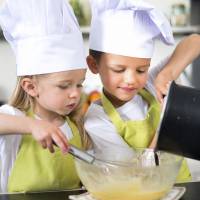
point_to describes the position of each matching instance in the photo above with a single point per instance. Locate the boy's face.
(122, 76)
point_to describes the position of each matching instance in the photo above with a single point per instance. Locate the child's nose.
(74, 93)
(130, 78)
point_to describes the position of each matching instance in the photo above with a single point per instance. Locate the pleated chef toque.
(127, 27)
(44, 35)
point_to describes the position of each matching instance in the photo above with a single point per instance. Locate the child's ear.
(29, 86)
(92, 64)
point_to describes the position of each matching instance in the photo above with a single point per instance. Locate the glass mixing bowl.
(138, 179)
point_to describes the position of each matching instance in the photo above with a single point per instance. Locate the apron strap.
(112, 113)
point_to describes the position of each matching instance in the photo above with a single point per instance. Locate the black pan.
(179, 130)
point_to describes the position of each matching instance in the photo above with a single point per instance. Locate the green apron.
(139, 133)
(36, 169)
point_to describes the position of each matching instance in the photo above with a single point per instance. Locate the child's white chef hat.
(44, 35)
(127, 27)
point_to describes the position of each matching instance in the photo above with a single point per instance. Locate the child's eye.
(141, 71)
(63, 86)
(80, 85)
(118, 71)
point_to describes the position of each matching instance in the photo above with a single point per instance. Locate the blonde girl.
(44, 108)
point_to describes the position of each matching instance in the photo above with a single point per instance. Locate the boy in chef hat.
(122, 37)
(51, 68)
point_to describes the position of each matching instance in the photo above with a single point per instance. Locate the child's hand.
(47, 133)
(162, 83)
(153, 142)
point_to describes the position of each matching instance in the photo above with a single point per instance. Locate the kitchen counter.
(192, 193)
(57, 195)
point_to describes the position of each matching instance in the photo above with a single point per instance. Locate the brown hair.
(23, 101)
(96, 54)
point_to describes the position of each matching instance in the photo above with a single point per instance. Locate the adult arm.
(185, 52)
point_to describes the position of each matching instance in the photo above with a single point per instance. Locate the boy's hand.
(162, 83)
(153, 142)
(47, 133)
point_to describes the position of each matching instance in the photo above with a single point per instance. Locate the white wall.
(7, 71)
(1, 1)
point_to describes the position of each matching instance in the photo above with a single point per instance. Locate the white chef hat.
(127, 27)
(44, 35)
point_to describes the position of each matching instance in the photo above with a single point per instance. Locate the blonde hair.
(20, 99)
(23, 101)
(77, 117)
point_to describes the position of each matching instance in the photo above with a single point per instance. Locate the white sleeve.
(9, 145)
(108, 144)
(7, 109)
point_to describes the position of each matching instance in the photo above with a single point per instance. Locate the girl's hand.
(47, 133)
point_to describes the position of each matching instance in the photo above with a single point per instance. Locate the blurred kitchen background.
(184, 16)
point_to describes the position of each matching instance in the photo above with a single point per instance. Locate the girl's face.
(122, 76)
(60, 92)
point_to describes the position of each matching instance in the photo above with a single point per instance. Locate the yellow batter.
(130, 192)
